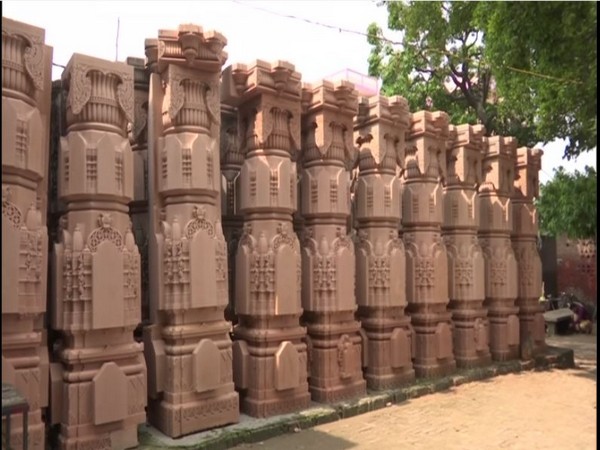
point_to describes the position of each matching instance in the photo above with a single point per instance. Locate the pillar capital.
(99, 92)
(23, 62)
(190, 45)
(426, 152)
(380, 131)
(465, 155)
(528, 165)
(268, 97)
(499, 165)
(328, 112)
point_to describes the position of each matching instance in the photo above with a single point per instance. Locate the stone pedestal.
(98, 391)
(466, 275)
(231, 164)
(524, 241)
(494, 232)
(26, 95)
(426, 256)
(187, 347)
(388, 338)
(328, 261)
(270, 360)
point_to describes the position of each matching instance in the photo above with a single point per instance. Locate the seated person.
(581, 318)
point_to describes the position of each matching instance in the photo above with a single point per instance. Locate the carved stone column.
(270, 363)
(98, 392)
(524, 241)
(138, 137)
(426, 257)
(328, 261)
(494, 233)
(26, 95)
(388, 339)
(465, 258)
(188, 348)
(231, 164)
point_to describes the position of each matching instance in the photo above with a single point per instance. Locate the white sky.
(90, 28)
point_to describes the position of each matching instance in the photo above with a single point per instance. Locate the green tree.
(524, 69)
(567, 204)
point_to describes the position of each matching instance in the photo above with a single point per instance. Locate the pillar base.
(283, 403)
(394, 380)
(179, 420)
(434, 370)
(338, 393)
(506, 355)
(99, 438)
(470, 362)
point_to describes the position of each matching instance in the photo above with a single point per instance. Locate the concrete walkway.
(551, 410)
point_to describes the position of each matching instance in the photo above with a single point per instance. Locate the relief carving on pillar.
(24, 255)
(80, 85)
(24, 52)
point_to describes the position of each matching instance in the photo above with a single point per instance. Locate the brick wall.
(576, 268)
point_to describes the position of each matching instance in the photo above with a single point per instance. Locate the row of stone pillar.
(352, 243)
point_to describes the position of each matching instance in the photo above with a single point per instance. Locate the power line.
(382, 38)
(320, 24)
(549, 77)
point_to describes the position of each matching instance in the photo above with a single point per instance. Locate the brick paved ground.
(554, 410)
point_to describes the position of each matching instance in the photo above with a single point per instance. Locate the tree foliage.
(524, 69)
(567, 204)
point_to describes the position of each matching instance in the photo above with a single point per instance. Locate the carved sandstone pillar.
(231, 164)
(524, 240)
(26, 93)
(494, 233)
(328, 261)
(138, 137)
(426, 257)
(270, 362)
(465, 258)
(188, 348)
(98, 392)
(388, 339)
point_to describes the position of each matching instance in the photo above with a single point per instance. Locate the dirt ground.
(533, 410)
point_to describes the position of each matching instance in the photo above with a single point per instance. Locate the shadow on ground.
(311, 440)
(585, 349)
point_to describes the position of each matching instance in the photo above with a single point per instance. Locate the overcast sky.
(252, 33)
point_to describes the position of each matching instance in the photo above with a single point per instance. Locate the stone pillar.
(270, 362)
(187, 348)
(328, 261)
(465, 258)
(231, 164)
(26, 96)
(524, 241)
(426, 257)
(98, 392)
(138, 137)
(388, 339)
(494, 233)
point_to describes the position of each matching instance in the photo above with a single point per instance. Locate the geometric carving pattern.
(186, 166)
(22, 142)
(463, 272)
(379, 272)
(424, 273)
(12, 213)
(498, 272)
